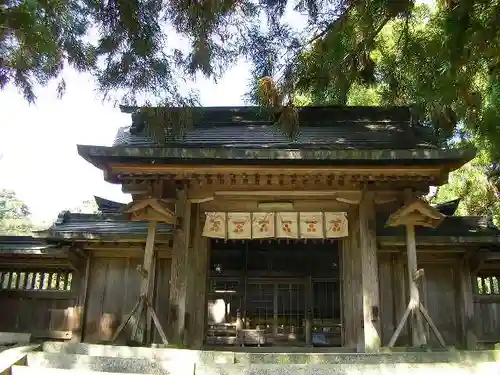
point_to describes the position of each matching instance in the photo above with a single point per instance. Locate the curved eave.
(89, 236)
(100, 156)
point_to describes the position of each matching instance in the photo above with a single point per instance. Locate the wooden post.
(146, 290)
(352, 285)
(369, 274)
(467, 304)
(84, 296)
(197, 290)
(415, 212)
(416, 323)
(178, 283)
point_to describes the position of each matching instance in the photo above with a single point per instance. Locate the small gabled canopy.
(150, 209)
(418, 213)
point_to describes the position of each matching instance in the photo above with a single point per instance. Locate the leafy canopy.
(14, 214)
(442, 60)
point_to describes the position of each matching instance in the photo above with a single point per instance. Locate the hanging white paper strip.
(311, 225)
(215, 225)
(287, 225)
(336, 224)
(239, 225)
(263, 225)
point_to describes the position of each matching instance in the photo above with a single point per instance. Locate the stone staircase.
(85, 359)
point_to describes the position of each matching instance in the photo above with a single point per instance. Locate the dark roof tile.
(97, 225)
(320, 127)
(106, 206)
(454, 226)
(24, 245)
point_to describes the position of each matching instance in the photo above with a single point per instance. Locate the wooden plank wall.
(487, 319)
(439, 293)
(441, 298)
(113, 291)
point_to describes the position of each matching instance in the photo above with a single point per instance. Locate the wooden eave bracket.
(418, 213)
(150, 209)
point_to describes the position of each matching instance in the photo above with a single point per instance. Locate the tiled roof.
(24, 245)
(108, 207)
(453, 226)
(97, 226)
(320, 127)
(448, 208)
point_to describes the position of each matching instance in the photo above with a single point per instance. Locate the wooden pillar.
(369, 266)
(143, 326)
(197, 281)
(351, 285)
(416, 321)
(178, 282)
(467, 305)
(79, 311)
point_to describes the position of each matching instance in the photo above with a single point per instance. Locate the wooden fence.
(39, 301)
(487, 307)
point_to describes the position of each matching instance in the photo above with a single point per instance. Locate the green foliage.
(88, 206)
(442, 60)
(471, 183)
(14, 215)
(37, 38)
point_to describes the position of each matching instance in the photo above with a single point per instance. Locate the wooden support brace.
(142, 271)
(143, 308)
(427, 317)
(417, 275)
(125, 321)
(400, 326)
(156, 322)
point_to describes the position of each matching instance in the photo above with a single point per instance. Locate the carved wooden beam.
(135, 187)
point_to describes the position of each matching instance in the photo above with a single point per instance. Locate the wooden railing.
(37, 301)
(487, 307)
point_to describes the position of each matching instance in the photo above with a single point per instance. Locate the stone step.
(239, 357)
(128, 364)
(491, 368)
(95, 350)
(26, 370)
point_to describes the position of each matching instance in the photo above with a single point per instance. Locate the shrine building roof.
(330, 135)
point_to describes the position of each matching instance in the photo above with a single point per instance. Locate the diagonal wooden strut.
(143, 307)
(415, 306)
(422, 310)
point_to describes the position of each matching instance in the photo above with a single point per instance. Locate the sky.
(39, 159)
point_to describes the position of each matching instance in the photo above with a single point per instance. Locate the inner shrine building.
(322, 239)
